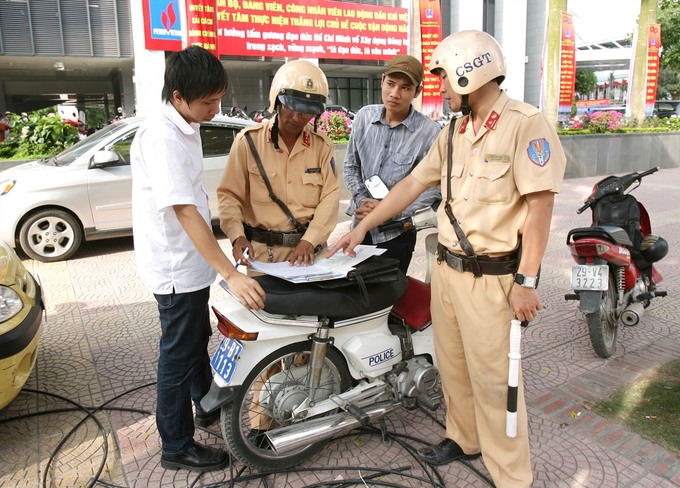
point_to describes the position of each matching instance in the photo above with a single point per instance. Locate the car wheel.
(50, 235)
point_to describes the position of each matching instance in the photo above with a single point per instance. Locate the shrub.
(38, 134)
(608, 121)
(336, 125)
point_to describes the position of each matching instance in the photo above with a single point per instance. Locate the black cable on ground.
(90, 414)
(362, 479)
(428, 469)
(73, 409)
(90, 411)
(313, 469)
(401, 439)
(413, 451)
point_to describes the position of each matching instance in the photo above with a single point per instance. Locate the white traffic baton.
(513, 377)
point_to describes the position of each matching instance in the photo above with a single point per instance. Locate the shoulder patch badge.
(539, 152)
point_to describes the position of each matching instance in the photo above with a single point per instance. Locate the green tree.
(668, 15)
(585, 83)
(669, 84)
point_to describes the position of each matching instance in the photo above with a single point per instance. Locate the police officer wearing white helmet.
(499, 166)
(279, 195)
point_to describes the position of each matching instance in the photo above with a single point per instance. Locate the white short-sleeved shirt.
(167, 170)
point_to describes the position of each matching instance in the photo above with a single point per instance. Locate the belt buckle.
(454, 262)
(290, 240)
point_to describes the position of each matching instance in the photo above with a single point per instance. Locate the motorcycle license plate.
(590, 277)
(224, 360)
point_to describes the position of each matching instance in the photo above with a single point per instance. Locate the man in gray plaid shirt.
(387, 142)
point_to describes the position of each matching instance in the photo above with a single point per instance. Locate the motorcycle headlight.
(6, 186)
(10, 303)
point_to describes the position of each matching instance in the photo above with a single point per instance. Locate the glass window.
(349, 92)
(122, 148)
(74, 152)
(217, 139)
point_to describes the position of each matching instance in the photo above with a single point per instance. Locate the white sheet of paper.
(331, 268)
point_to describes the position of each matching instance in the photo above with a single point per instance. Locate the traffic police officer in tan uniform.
(298, 164)
(506, 165)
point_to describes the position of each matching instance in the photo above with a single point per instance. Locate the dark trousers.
(184, 372)
(401, 248)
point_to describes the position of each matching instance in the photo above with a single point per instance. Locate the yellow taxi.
(21, 312)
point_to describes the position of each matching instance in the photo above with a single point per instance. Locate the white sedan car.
(47, 207)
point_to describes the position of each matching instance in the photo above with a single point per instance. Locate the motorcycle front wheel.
(275, 387)
(603, 324)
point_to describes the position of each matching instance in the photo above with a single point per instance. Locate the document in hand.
(337, 266)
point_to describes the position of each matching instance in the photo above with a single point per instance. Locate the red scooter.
(615, 278)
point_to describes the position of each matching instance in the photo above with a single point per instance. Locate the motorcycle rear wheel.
(281, 384)
(603, 325)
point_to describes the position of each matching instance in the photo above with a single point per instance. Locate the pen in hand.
(245, 256)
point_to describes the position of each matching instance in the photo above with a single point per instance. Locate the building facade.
(91, 53)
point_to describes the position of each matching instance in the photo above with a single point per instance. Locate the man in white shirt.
(178, 255)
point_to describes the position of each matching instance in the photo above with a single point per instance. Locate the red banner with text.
(431, 36)
(283, 28)
(567, 67)
(653, 51)
(201, 22)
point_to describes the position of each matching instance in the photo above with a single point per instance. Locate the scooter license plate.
(586, 277)
(224, 360)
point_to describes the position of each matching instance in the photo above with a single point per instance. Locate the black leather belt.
(500, 265)
(271, 238)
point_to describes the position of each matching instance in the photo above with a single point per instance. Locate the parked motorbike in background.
(317, 363)
(235, 112)
(615, 278)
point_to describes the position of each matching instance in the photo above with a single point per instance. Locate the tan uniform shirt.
(514, 153)
(304, 179)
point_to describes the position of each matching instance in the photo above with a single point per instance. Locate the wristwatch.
(526, 280)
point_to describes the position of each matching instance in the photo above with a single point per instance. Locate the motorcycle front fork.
(320, 342)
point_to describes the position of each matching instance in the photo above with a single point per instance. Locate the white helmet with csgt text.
(471, 59)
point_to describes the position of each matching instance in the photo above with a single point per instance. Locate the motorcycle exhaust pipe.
(286, 439)
(632, 314)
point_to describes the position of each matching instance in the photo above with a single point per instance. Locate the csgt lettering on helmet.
(478, 62)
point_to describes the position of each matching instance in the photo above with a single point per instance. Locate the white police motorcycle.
(317, 363)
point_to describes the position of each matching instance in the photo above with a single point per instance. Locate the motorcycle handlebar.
(622, 184)
(393, 225)
(629, 179)
(588, 203)
(423, 218)
(650, 171)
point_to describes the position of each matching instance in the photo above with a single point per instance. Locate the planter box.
(604, 154)
(596, 154)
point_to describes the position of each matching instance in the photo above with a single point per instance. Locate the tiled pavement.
(99, 346)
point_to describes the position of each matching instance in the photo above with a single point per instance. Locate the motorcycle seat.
(285, 298)
(610, 232)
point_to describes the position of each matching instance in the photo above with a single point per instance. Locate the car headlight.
(10, 303)
(6, 186)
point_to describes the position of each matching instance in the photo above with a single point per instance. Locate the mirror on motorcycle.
(424, 218)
